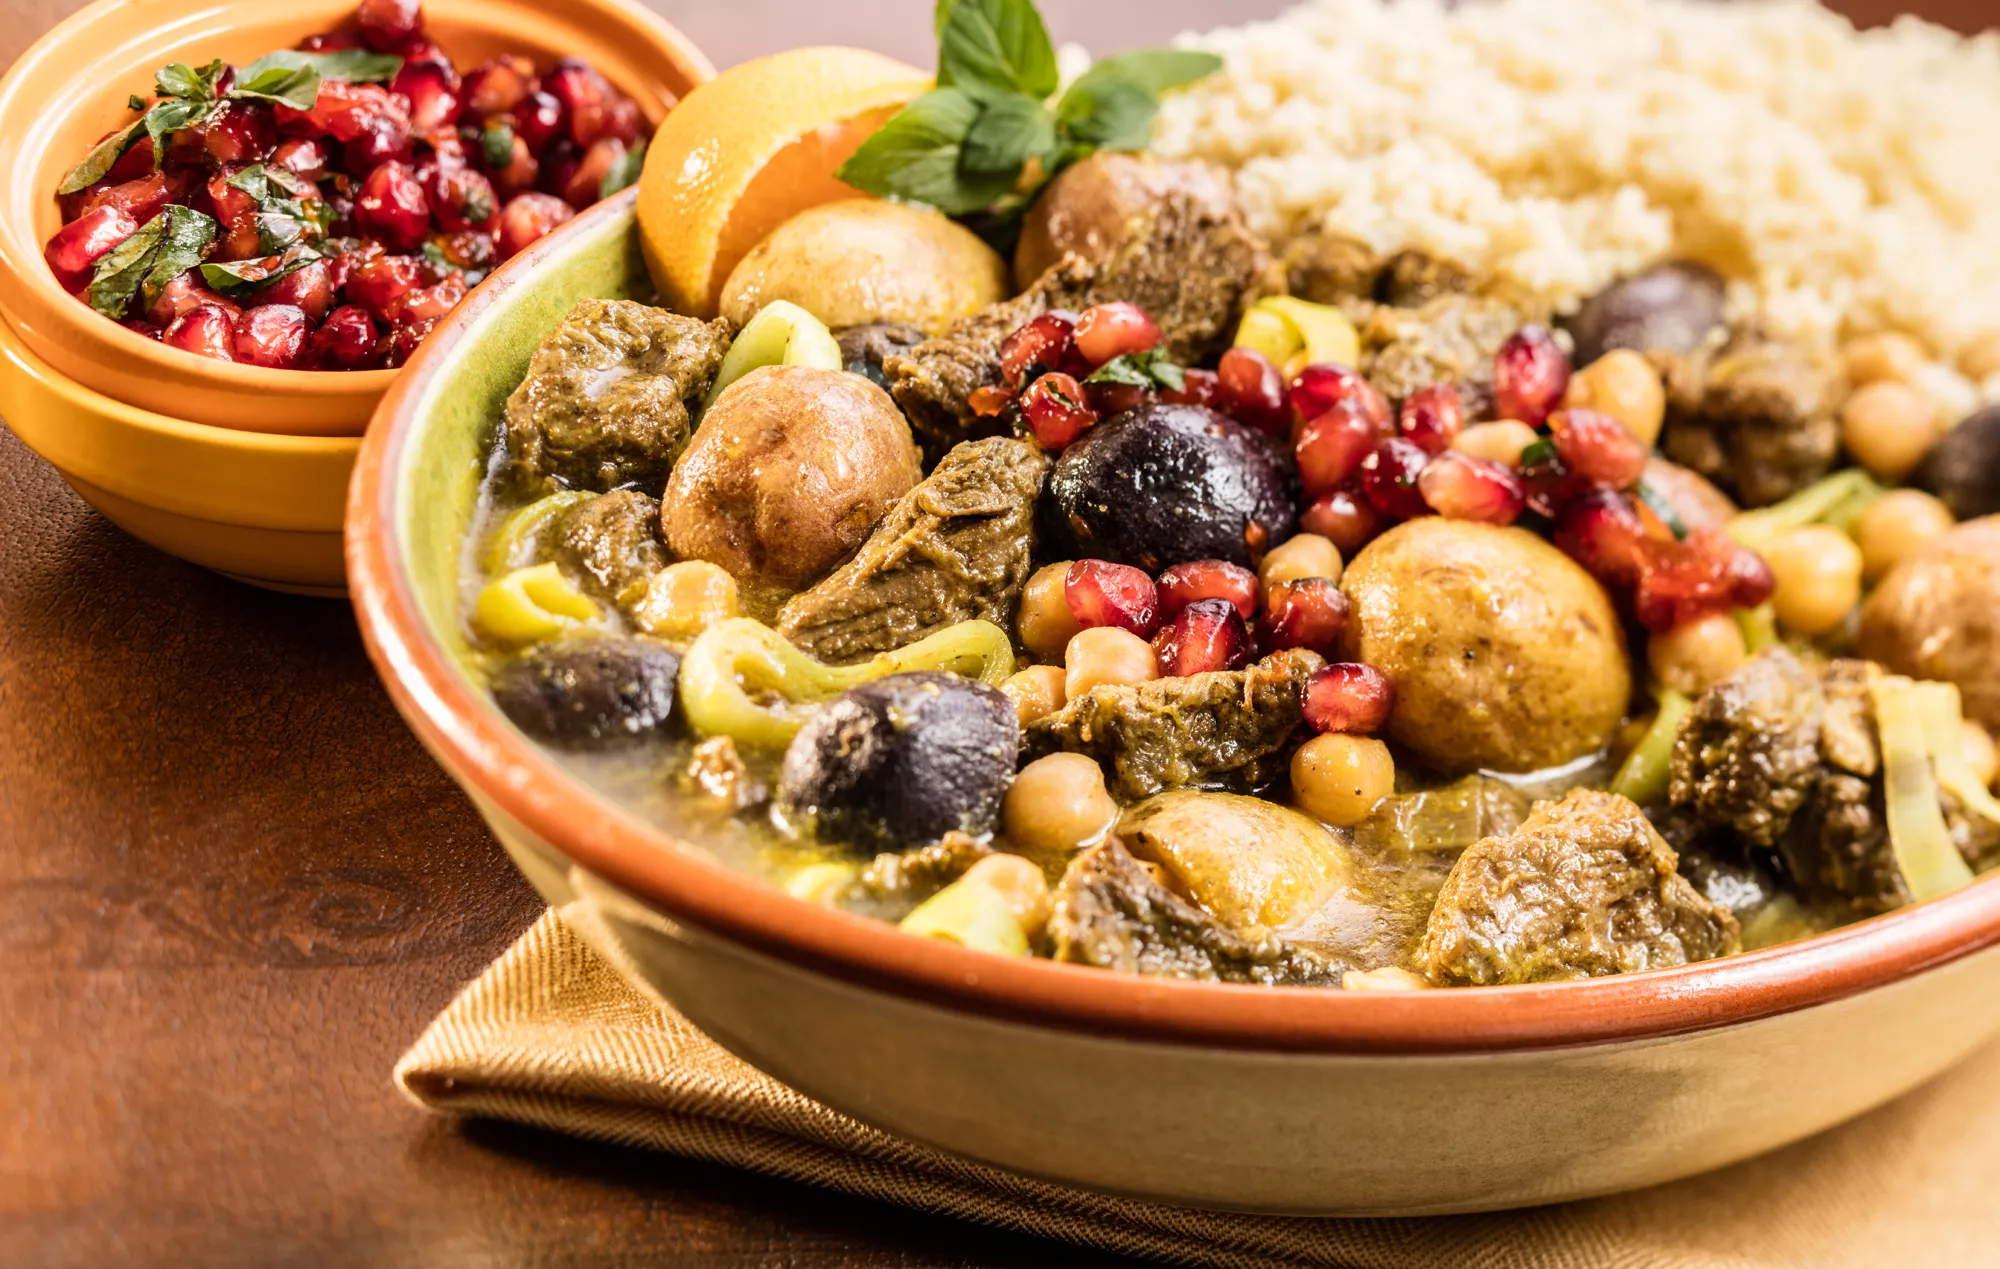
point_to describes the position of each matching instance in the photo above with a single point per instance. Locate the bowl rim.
(508, 772)
(40, 299)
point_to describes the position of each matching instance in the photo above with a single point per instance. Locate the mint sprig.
(1149, 369)
(239, 278)
(165, 247)
(966, 146)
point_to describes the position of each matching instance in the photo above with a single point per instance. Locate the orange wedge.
(751, 148)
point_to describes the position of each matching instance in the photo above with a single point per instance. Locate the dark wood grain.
(233, 888)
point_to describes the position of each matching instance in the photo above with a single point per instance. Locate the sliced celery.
(782, 334)
(821, 883)
(1324, 332)
(1264, 331)
(515, 542)
(1759, 626)
(529, 605)
(972, 914)
(1642, 777)
(1930, 863)
(1838, 499)
(1943, 715)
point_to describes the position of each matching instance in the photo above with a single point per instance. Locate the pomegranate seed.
(1209, 634)
(1550, 484)
(208, 330)
(1251, 390)
(403, 341)
(184, 294)
(1048, 343)
(1530, 373)
(392, 206)
(463, 199)
(1460, 487)
(623, 120)
(496, 87)
(558, 165)
(1308, 613)
(386, 139)
(240, 132)
(74, 250)
(142, 327)
(1183, 584)
(1433, 417)
(1751, 580)
(1320, 388)
(1057, 411)
(304, 157)
(342, 111)
(521, 172)
(1348, 697)
(331, 42)
(272, 335)
(1684, 581)
(538, 119)
(1101, 593)
(345, 341)
(1602, 532)
(308, 288)
(1109, 399)
(375, 284)
(141, 199)
(585, 96)
(1112, 330)
(1343, 517)
(131, 165)
(1199, 387)
(425, 304)
(432, 91)
(586, 184)
(1597, 448)
(387, 25)
(1389, 478)
(1330, 448)
(989, 401)
(527, 218)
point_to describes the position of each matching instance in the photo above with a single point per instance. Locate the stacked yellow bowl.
(238, 468)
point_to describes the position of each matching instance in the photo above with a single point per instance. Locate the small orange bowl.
(71, 88)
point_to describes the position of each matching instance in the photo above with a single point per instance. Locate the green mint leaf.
(991, 48)
(354, 65)
(498, 142)
(289, 209)
(1149, 369)
(434, 252)
(295, 87)
(102, 158)
(1157, 70)
(624, 171)
(123, 268)
(1654, 499)
(940, 15)
(241, 278)
(1107, 112)
(1008, 132)
(915, 156)
(184, 242)
(136, 102)
(1541, 450)
(173, 115)
(178, 79)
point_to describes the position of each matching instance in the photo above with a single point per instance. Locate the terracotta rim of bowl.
(37, 300)
(509, 771)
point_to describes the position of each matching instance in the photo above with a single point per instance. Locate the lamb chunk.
(607, 397)
(863, 349)
(956, 548)
(1222, 729)
(610, 543)
(1188, 262)
(1449, 339)
(1323, 268)
(1112, 913)
(1413, 279)
(1838, 844)
(895, 882)
(1747, 757)
(1756, 416)
(1584, 888)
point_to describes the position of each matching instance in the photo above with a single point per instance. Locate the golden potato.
(788, 473)
(1937, 616)
(1248, 861)
(1087, 208)
(1506, 655)
(863, 260)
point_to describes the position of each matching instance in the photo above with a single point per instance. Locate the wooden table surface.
(233, 889)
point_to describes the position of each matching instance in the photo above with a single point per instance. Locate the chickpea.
(1981, 358)
(1889, 427)
(684, 599)
(1818, 569)
(1057, 804)
(1020, 882)
(1624, 385)
(1501, 442)
(1046, 624)
(1894, 526)
(1980, 753)
(1036, 691)
(1304, 555)
(1387, 978)
(1339, 778)
(1887, 356)
(1106, 654)
(1695, 655)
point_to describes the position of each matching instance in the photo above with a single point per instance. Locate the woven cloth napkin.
(550, 1035)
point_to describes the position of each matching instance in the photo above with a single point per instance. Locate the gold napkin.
(550, 1035)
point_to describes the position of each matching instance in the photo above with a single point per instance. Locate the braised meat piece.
(954, 549)
(1111, 912)
(1223, 729)
(610, 543)
(1449, 339)
(1838, 843)
(1747, 757)
(1323, 268)
(1756, 416)
(1585, 887)
(863, 349)
(895, 882)
(607, 397)
(1187, 262)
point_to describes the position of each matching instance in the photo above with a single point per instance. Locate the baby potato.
(862, 261)
(1506, 655)
(1934, 616)
(789, 471)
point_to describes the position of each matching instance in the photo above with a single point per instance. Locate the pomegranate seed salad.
(322, 207)
(1136, 536)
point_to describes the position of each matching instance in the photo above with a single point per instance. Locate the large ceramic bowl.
(1277, 1100)
(71, 88)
